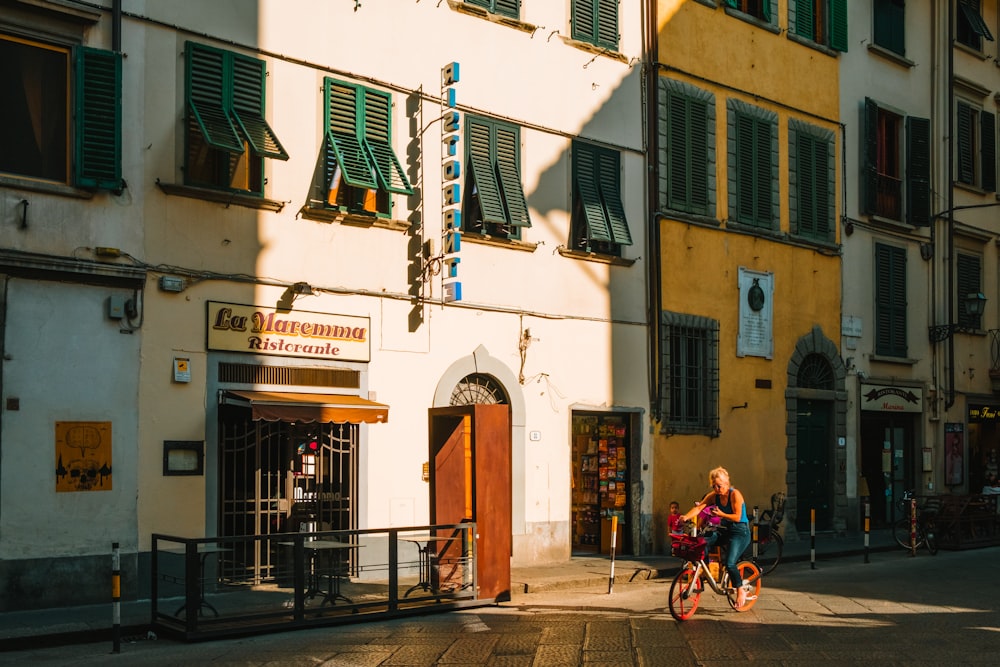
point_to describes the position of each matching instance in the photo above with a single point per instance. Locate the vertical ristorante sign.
(259, 330)
(451, 189)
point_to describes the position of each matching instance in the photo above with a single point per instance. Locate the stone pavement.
(27, 629)
(895, 610)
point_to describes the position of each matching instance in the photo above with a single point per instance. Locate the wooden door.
(471, 480)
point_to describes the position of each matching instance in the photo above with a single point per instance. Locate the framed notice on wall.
(83, 456)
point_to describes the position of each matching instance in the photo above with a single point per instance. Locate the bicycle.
(770, 544)
(925, 527)
(689, 584)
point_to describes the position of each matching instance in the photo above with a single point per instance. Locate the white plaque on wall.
(756, 335)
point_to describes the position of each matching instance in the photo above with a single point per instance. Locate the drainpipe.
(949, 297)
(116, 26)
(654, 270)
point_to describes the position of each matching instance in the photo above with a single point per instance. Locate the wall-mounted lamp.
(302, 289)
(975, 306)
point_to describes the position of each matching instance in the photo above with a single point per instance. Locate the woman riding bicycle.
(727, 504)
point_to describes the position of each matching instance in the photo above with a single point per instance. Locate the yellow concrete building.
(748, 167)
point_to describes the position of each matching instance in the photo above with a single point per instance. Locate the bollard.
(116, 599)
(913, 526)
(812, 538)
(868, 526)
(754, 534)
(614, 538)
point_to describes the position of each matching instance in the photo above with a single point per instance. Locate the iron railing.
(209, 587)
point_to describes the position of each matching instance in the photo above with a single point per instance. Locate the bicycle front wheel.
(750, 574)
(685, 593)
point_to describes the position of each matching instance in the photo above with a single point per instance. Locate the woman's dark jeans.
(736, 539)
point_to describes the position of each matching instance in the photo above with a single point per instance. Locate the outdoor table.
(315, 573)
(204, 551)
(424, 544)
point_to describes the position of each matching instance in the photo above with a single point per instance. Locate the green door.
(814, 469)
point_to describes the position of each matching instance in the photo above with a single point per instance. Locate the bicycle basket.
(689, 548)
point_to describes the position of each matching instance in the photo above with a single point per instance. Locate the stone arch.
(801, 371)
(482, 365)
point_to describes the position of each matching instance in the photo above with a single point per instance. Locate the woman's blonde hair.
(715, 473)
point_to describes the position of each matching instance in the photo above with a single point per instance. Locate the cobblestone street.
(896, 610)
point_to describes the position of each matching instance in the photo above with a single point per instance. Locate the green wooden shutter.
(679, 152)
(378, 141)
(964, 127)
(869, 191)
(890, 300)
(804, 21)
(511, 8)
(207, 86)
(972, 10)
(889, 20)
(344, 132)
(98, 134)
(248, 107)
(988, 150)
(918, 171)
(968, 275)
(698, 129)
(508, 161)
(607, 24)
(687, 177)
(824, 190)
(805, 174)
(479, 138)
(584, 20)
(609, 165)
(765, 8)
(485, 4)
(838, 25)
(762, 174)
(587, 190)
(744, 169)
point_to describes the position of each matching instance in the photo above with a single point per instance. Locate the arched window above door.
(478, 389)
(815, 372)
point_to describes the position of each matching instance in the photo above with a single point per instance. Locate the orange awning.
(290, 407)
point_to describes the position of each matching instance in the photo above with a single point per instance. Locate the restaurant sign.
(258, 330)
(880, 398)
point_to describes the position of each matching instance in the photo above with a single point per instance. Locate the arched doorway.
(816, 413)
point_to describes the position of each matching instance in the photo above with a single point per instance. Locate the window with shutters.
(60, 115)
(968, 280)
(823, 22)
(753, 165)
(890, 300)
(227, 137)
(758, 9)
(595, 22)
(975, 146)
(889, 19)
(896, 165)
(361, 169)
(493, 201)
(598, 216)
(687, 148)
(811, 179)
(689, 372)
(970, 28)
(508, 8)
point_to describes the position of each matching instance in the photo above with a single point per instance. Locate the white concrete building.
(298, 165)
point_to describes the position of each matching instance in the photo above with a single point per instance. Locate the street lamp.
(975, 306)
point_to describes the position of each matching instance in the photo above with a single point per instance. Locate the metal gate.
(280, 477)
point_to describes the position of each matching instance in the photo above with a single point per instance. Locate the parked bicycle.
(925, 528)
(770, 544)
(696, 573)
